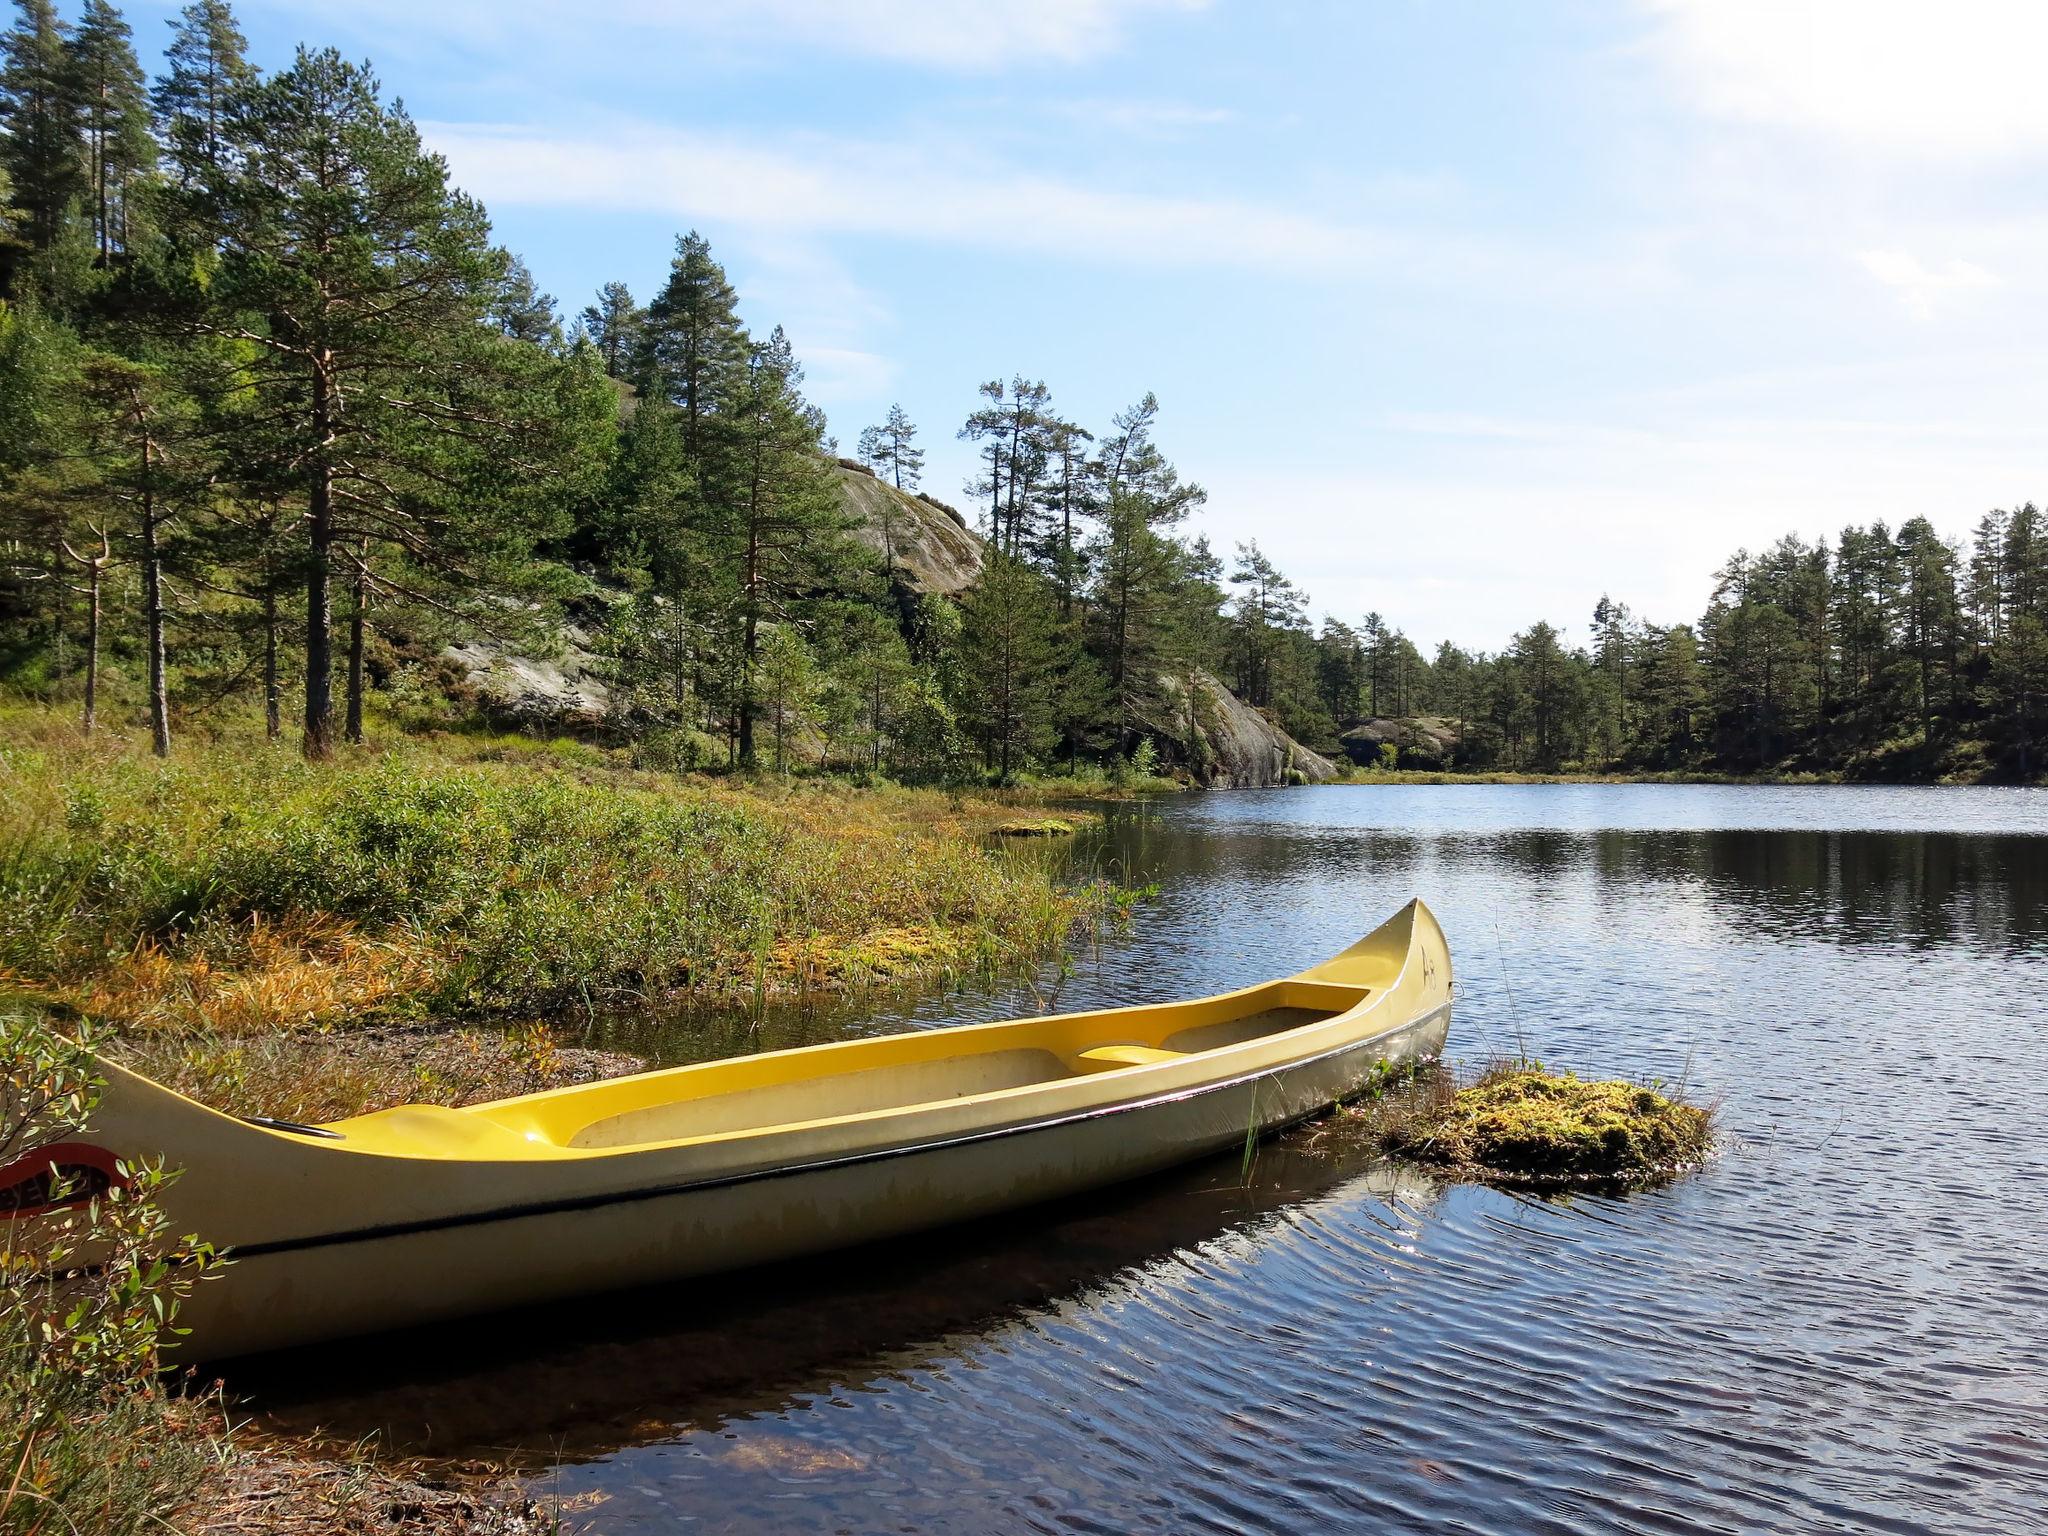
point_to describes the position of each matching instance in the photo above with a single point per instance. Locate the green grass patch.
(236, 888)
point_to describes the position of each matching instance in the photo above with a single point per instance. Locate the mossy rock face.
(1523, 1124)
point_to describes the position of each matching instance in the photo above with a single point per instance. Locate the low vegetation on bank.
(1516, 1123)
(208, 906)
(312, 941)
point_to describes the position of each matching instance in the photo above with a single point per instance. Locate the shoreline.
(1750, 781)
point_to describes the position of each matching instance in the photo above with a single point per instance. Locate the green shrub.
(88, 1437)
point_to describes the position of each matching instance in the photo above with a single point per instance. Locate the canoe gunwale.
(635, 1195)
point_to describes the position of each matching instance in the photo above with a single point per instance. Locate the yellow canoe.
(423, 1213)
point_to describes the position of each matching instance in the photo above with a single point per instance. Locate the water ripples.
(1841, 1325)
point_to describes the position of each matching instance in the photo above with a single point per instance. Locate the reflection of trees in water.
(1917, 888)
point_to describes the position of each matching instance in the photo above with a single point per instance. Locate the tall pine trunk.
(750, 650)
(153, 618)
(92, 647)
(319, 736)
(273, 697)
(359, 597)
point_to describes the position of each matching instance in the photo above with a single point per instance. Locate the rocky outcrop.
(561, 692)
(1419, 741)
(931, 548)
(1219, 741)
(1223, 743)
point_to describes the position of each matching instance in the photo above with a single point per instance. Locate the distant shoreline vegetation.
(282, 429)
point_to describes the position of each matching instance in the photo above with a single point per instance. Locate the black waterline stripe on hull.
(661, 1192)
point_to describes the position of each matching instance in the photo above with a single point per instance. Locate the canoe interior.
(865, 1090)
(760, 1094)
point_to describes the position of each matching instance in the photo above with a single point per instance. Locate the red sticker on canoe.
(57, 1177)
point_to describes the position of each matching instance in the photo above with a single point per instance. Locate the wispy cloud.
(1961, 78)
(822, 185)
(1143, 119)
(942, 34)
(1920, 287)
(945, 33)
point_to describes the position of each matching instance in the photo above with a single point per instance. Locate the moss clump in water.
(1048, 826)
(1520, 1123)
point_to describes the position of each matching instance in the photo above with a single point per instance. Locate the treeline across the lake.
(1889, 654)
(280, 423)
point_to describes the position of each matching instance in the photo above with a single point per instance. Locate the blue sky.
(1468, 312)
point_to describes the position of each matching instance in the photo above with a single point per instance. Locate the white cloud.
(944, 34)
(1919, 286)
(1954, 78)
(817, 185)
(1507, 520)
(1143, 119)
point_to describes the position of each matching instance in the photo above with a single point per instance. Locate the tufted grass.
(235, 889)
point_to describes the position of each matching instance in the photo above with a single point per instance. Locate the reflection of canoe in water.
(419, 1212)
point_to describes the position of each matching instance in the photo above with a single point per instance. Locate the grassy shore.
(211, 907)
(412, 922)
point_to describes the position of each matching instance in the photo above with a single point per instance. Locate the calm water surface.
(1842, 1325)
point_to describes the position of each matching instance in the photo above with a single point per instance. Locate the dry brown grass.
(313, 1076)
(261, 974)
(278, 1488)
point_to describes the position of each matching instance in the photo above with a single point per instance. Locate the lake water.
(1841, 1325)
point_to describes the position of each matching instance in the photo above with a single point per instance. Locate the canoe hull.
(421, 1213)
(335, 1289)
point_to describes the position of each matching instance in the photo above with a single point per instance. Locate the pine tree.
(1611, 636)
(39, 110)
(647, 502)
(869, 449)
(140, 425)
(615, 323)
(426, 447)
(778, 521)
(693, 339)
(208, 66)
(1067, 495)
(1928, 609)
(1267, 604)
(42, 465)
(890, 450)
(988, 425)
(905, 460)
(1010, 655)
(521, 310)
(114, 122)
(11, 241)
(1138, 567)
(1014, 429)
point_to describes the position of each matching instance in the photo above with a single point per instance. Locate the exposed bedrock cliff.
(561, 691)
(930, 548)
(1223, 743)
(1419, 741)
(1217, 739)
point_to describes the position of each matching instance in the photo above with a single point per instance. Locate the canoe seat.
(1107, 1058)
